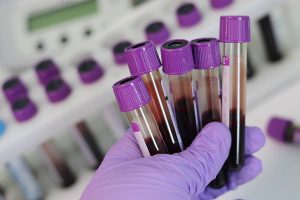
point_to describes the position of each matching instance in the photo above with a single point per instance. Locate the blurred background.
(59, 59)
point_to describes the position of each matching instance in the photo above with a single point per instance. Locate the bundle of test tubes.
(206, 82)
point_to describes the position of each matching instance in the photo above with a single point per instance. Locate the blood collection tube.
(25, 179)
(14, 89)
(157, 32)
(207, 85)
(133, 99)
(89, 71)
(58, 167)
(234, 35)
(283, 130)
(88, 145)
(57, 90)
(188, 15)
(269, 39)
(46, 71)
(118, 52)
(23, 109)
(177, 62)
(219, 4)
(143, 61)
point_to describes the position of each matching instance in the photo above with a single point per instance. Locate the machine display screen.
(60, 15)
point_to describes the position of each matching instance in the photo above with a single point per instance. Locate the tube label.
(140, 139)
(225, 90)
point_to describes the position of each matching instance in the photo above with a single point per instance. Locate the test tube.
(89, 71)
(14, 89)
(283, 130)
(25, 179)
(234, 35)
(207, 64)
(220, 4)
(269, 39)
(118, 52)
(23, 109)
(143, 61)
(58, 167)
(157, 32)
(177, 62)
(46, 71)
(57, 90)
(133, 99)
(188, 15)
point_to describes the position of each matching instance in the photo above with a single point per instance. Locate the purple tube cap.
(118, 52)
(219, 4)
(90, 71)
(188, 15)
(277, 127)
(57, 90)
(131, 93)
(234, 29)
(14, 89)
(157, 32)
(142, 58)
(206, 53)
(177, 57)
(46, 71)
(23, 109)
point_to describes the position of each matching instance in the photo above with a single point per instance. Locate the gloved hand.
(125, 174)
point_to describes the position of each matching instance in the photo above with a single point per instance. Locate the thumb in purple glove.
(125, 174)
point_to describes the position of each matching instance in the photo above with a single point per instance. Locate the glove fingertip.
(255, 140)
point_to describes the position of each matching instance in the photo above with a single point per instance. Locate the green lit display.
(54, 17)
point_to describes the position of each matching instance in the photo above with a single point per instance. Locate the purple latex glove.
(125, 174)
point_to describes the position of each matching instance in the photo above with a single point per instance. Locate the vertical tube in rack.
(143, 61)
(22, 174)
(57, 165)
(269, 38)
(235, 34)
(133, 99)
(177, 61)
(88, 145)
(207, 60)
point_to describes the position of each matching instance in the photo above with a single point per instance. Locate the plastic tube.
(57, 165)
(133, 99)
(22, 174)
(207, 64)
(177, 61)
(188, 15)
(46, 71)
(14, 89)
(284, 130)
(220, 4)
(271, 45)
(235, 34)
(143, 61)
(88, 145)
(157, 32)
(118, 51)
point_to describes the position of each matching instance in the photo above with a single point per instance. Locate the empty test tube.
(46, 71)
(118, 52)
(133, 99)
(284, 130)
(188, 15)
(234, 35)
(157, 32)
(57, 90)
(25, 179)
(208, 89)
(143, 61)
(90, 71)
(177, 62)
(14, 89)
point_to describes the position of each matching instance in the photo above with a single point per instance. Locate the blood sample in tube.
(133, 99)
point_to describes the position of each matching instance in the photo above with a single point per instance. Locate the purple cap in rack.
(277, 127)
(188, 15)
(206, 53)
(14, 89)
(23, 109)
(177, 57)
(235, 29)
(218, 4)
(157, 32)
(142, 58)
(46, 71)
(118, 51)
(57, 90)
(131, 93)
(89, 71)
